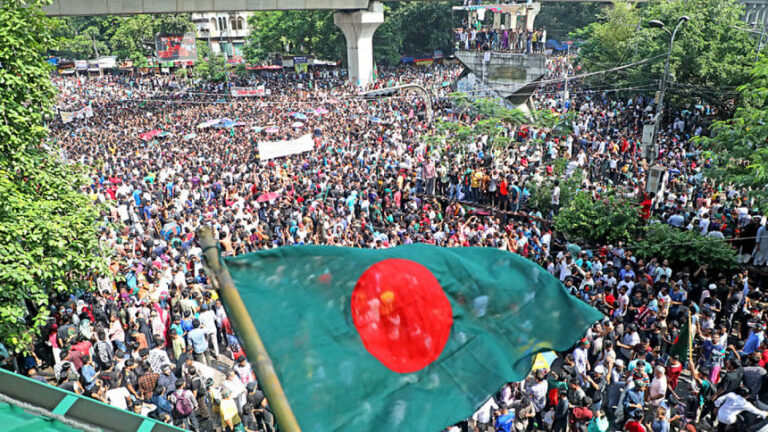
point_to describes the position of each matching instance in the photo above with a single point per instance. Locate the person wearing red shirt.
(646, 206)
(503, 192)
(635, 425)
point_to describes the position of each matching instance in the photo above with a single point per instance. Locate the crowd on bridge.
(501, 39)
(153, 337)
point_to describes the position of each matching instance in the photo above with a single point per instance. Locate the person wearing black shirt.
(732, 378)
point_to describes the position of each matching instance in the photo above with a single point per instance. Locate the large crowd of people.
(153, 336)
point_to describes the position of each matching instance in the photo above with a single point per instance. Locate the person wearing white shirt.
(208, 325)
(658, 389)
(730, 405)
(483, 415)
(580, 361)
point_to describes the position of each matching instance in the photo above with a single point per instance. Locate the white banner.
(248, 91)
(68, 116)
(276, 149)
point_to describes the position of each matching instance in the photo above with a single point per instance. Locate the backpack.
(183, 405)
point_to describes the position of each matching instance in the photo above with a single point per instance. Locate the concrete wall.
(508, 74)
(128, 7)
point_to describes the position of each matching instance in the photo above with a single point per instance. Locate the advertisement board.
(176, 46)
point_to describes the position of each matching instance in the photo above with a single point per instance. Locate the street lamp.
(660, 103)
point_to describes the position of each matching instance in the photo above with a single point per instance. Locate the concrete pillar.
(508, 21)
(496, 20)
(359, 27)
(531, 11)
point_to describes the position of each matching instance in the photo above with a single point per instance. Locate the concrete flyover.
(132, 7)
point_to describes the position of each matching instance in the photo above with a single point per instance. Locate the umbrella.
(321, 111)
(164, 134)
(272, 129)
(297, 124)
(298, 115)
(207, 124)
(543, 360)
(149, 135)
(225, 123)
(271, 196)
(189, 136)
(257, 129)
(375, 120)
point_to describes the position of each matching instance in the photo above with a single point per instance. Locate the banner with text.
(276, 149)
(249, 91)
(68, 116)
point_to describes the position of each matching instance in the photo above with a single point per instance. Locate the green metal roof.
(30, 405)
(15, 419)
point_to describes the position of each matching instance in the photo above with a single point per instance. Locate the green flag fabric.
(682, 345)
(412, 338)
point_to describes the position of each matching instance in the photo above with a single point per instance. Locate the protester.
(153, 333)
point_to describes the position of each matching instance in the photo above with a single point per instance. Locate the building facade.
(224, 32)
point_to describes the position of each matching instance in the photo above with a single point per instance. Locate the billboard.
(175, 46)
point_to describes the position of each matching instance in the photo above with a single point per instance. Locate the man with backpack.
(184, 406)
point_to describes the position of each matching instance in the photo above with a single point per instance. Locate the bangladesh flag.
(411, 338)
(684, 341)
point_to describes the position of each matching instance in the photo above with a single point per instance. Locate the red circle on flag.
(402, 314)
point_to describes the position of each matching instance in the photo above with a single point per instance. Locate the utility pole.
(760, 44)
(663, 89)
(567, 65)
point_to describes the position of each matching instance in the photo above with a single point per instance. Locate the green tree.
(416, 28)
(611, 218)
(213, 68)
(710, 56)
(48, 240)
(294, 32)
(738, 144)
(685, 248)
(134, 38)
(83, 37)
(560, 19)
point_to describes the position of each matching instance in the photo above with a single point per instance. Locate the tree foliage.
(409, 28)
(294, 32)
(738, 145)
(212, 68)
(48, 240)
(130, 37)
(608, 219)
(685, 248)
(560, 19)
(709, 58)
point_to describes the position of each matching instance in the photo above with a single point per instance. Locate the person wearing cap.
(580, 357)
(634, 399)
(167, 379)
(595, 384)
(755, 338)
(243, 370)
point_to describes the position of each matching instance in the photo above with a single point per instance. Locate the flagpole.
(246, 330)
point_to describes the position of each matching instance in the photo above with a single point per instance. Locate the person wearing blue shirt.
(754, 340)
(137, 197)
(88, 372)
(199, 342)
(634, 399)
(505, 422)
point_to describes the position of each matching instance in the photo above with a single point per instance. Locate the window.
(236, 23)
(213, 24)
(222, 23)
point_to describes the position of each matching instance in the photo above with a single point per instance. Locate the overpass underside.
(132, 7)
